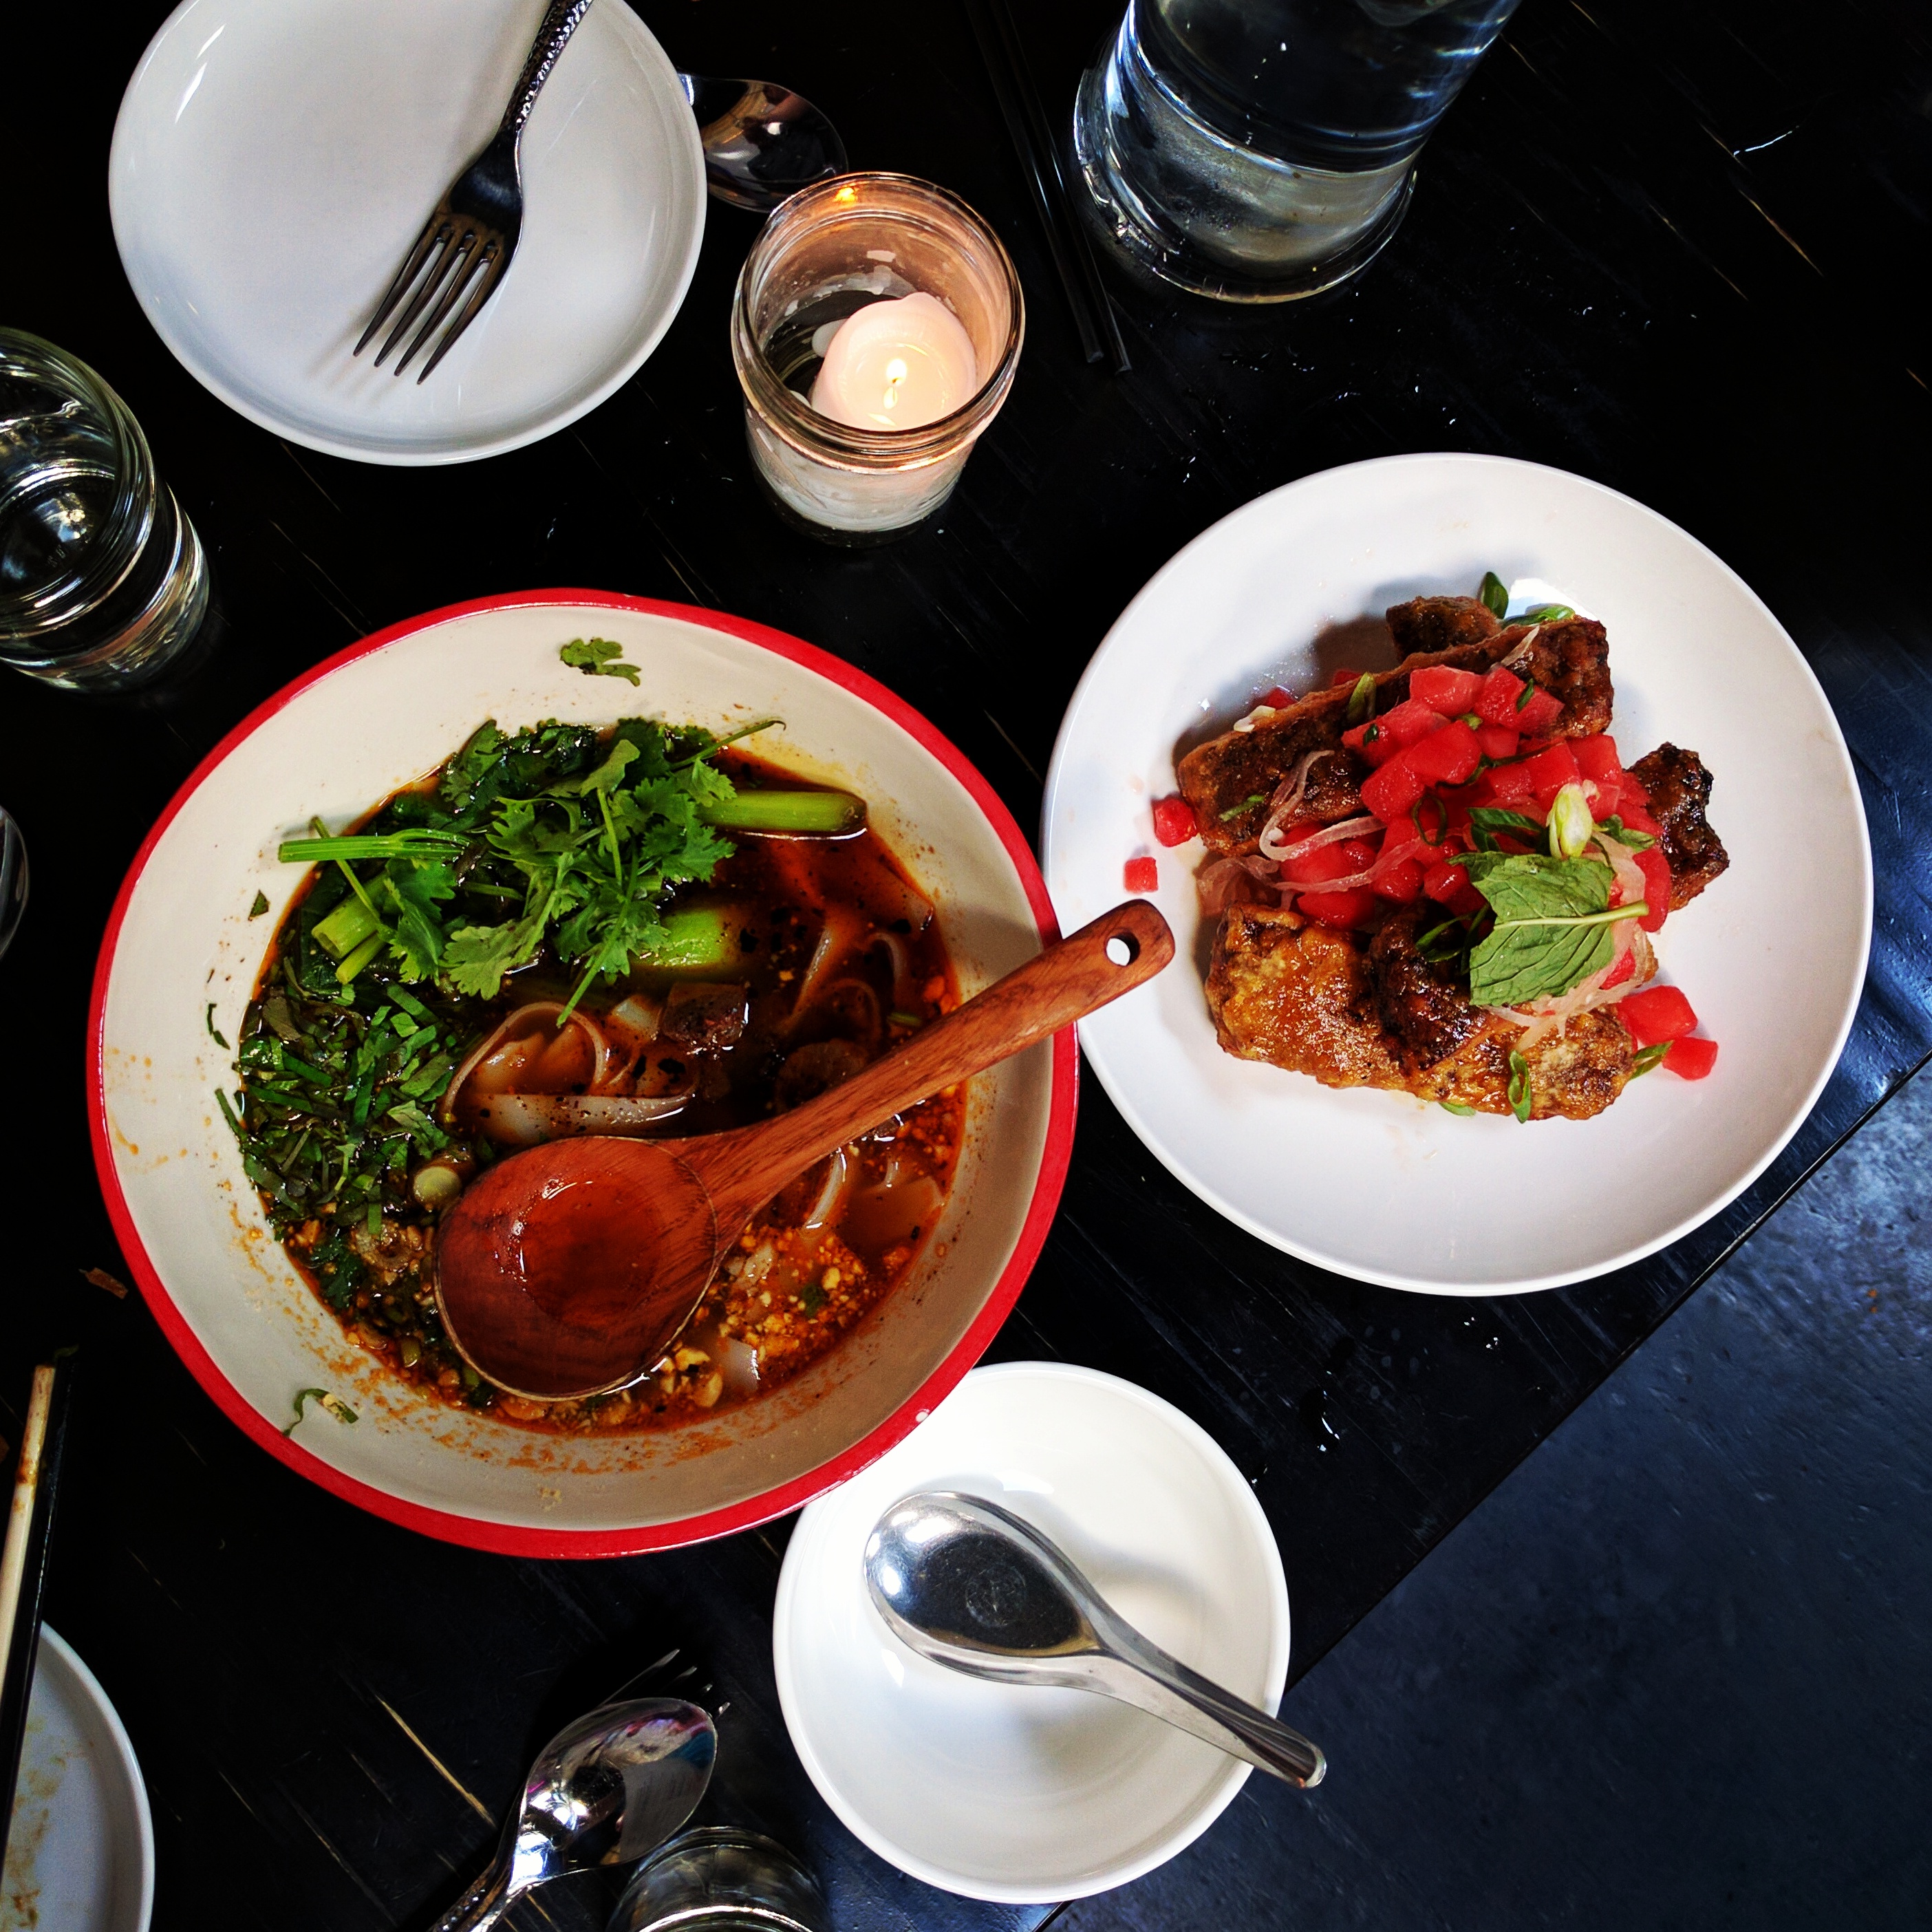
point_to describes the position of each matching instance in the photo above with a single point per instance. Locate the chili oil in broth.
(834, 957)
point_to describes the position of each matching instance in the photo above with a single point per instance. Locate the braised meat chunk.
(1678, 788)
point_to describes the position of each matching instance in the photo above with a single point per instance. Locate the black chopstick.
(23, 1565)
(1033, 141)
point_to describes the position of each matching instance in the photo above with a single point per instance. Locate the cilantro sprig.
(554, 835)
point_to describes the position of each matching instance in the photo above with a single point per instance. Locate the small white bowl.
(1006, 1793)
(178, 963)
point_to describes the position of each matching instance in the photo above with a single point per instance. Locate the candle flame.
(896, 374)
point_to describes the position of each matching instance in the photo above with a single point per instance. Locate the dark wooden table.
(1683, 253)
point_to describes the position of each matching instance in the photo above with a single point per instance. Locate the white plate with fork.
(274, 160)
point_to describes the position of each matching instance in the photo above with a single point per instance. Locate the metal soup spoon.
(568, 1269)
(761, 141)
(969, 1585)
(604, 1791)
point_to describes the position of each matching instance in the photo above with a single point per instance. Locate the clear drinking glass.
(13, 879)
(718, 1878)
(103, 581)
(825, 253)
(1259, 150)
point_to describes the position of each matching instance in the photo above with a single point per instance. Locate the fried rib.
(1314, 1001)
(1678, 788)
(1229, 780)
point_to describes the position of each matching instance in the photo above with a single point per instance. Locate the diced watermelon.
(1549, 771)
(1658, 1013)
(1621, 971)
(1447, 757)
(1498, 742)
(1402, 883)
(1142, 874)
(1338, 909)
(1411, 721)
(1345, 676)
(1656, 870)
(1325, 862)
(1279, 696)
(1372, 742)
(1597, 759)
(1536, 718)
(1691, 1059)
(1442, 880)
(1511, 785)
(1174, 821)
(1390, 790)
(1449, 691)
(1496, 696)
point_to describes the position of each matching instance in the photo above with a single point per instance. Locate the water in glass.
(1258, 150)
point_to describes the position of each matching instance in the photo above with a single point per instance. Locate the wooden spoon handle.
(744, 1169)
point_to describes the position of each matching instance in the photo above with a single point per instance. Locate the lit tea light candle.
(896, 364)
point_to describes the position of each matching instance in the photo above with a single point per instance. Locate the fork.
(465, 246)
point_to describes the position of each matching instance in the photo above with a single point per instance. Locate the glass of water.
(1259, 150)
(103, 581)
(718, 1878)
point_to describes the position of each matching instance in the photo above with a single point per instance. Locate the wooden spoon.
(568, 1269)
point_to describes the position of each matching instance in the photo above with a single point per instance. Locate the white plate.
(80, 1856)
(1000, 1791)
(1379, 1185)
(274, 159)
(346, 735)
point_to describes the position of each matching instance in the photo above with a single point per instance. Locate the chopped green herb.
(1522, 1098)
(1649, 1057)
(1487, 821)
(904, 1019)
(1362, 699)
(208, 1021)
(1626, 835)
(1248, 804)
(334, 1404)
(1494, 593)
(1528, 691)
(1455, 1107)
(1571, 828)
(594, 657)
(260, 906)
(836, 813)
(1547, 614)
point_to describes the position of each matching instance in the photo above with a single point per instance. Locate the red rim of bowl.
(511, 1539)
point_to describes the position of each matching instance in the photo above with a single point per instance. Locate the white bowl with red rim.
(333, 744)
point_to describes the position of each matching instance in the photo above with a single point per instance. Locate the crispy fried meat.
(1321, 1003)
(1678, 788)
(1229, 780)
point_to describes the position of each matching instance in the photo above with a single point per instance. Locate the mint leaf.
(1625, 835)
(593, 657)
(1552, 926)
(1494, 593)
(1487, 821)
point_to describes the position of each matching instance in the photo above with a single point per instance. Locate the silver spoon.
(604, 1791)
(762, 141)
(969, 1585)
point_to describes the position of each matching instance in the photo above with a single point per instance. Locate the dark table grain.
(1681, 251)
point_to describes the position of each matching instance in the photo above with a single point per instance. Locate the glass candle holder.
(828, 251)
(720, 1879)
(103, 581)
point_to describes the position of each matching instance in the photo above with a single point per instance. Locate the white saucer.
(273, 162)
(1772, 957)
(80, 1857)
(1004, 1793)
